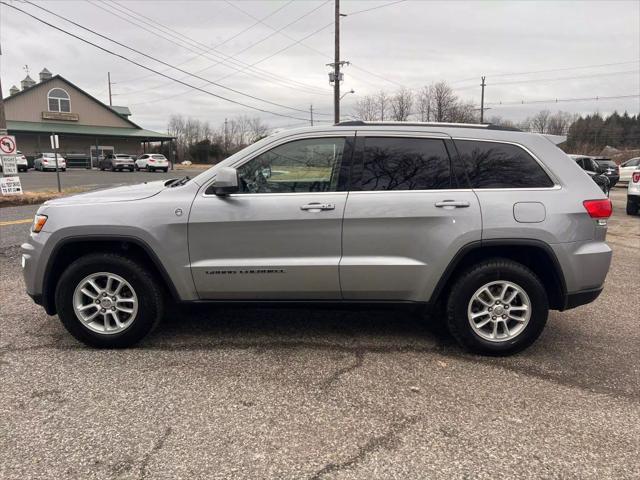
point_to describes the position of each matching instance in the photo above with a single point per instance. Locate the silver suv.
(493, 226)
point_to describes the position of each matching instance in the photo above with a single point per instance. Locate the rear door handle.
(318, 206)
(452, 204)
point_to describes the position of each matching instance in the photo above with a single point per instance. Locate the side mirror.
(226, 181)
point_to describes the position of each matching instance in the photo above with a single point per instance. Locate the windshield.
(158, 157)
(128, 157)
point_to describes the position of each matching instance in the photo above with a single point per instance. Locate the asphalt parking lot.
(294, 393)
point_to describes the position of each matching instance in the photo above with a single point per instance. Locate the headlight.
(38, 223)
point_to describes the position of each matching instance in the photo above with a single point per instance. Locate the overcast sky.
(410, 43)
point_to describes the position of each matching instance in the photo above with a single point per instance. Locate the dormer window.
(58, 100)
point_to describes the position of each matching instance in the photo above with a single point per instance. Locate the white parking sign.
(10, 186)
(9, 165)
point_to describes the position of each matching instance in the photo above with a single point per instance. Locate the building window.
(58, 100)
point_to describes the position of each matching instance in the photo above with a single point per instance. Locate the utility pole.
(336, 65)
(3, 118)
(482, 100)
(311, 112)
(226, 145)
(109, 80)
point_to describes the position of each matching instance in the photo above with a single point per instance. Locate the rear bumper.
(575, 299)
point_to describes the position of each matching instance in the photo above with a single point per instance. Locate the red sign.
(8, 145)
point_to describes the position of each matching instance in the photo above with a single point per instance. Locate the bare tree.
(424, 103)
(498, 120)
(257, 129)
(444, 102)
(401, 104)
(463, 112)
(559, 123)
(382, 100)
(540, 121)
(366, 108)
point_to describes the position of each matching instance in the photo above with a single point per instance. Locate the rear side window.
(405, 164)
(500, 165)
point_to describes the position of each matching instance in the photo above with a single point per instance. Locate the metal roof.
(14, 126)
(121, 110)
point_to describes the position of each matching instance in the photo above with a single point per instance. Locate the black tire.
(136, 168)
(150, 308)
(165, 170)
(632, 205)
(149, 169)
(481, 274)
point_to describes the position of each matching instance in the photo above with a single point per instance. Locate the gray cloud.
(412, 43)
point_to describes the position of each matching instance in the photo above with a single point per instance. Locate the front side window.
(500, 165)
(395, 163)
(310, 165)
(58, 100)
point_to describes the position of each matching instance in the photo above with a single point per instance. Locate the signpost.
(55, 145)
(10, 182)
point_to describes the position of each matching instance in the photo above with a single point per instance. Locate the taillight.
(598, 208)
(151, 160)
(636, 177)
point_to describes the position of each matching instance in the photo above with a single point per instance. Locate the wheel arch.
(534, 254)
(72, 248)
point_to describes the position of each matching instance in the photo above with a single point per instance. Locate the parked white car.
(47, 161)
(633, 193)
(627, 169)
(152, 162)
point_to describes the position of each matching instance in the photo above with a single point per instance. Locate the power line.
(562, 100)
(315, 50)
(263, 59)
(375, 8)
(180, 37)
(625, 72)
(555, 79)
(168, 64)
(106, 50)
(213, 48)
(583, 67)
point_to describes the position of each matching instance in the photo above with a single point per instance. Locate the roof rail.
(362, 123)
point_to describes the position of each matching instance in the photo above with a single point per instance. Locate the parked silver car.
(494, 226)
(116, 162)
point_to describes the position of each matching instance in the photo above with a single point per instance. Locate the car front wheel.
(108, 301)
(498, 307)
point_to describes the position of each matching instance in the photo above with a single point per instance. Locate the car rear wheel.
(632, 205)
(108, 301)
(498, 307)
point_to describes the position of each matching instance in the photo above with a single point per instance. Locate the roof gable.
(20, 107)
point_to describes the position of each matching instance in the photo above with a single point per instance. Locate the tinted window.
(405, 164)
(500, 165)
(300, 166)
(606, 163)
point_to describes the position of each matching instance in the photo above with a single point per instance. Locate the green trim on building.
(47, 128)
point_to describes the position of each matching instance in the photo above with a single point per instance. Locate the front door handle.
(311, 207)
(449, 204)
